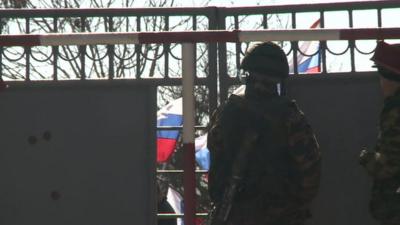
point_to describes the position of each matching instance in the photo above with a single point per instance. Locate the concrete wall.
(77, 154)
(344, 112)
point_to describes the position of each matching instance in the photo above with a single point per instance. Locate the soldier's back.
(266, 195)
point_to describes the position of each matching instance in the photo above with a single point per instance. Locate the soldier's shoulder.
(231, 106)
(234, 103)
(236, 98)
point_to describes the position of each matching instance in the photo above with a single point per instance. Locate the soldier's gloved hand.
(366, 156)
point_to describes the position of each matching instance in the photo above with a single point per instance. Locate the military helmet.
(268, 59)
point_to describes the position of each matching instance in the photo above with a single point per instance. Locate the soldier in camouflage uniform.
(383, 164)
(263, 142)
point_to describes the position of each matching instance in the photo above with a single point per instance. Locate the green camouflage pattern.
(383, 165)
(283, 170)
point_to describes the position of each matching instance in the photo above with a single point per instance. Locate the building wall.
(344, 112)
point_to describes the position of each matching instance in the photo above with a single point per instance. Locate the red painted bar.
(369, 33)
(20, 40)
(188, 37)
(189, 182)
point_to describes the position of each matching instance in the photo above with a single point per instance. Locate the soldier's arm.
(222, 129)
(217, 150)
(304, 151)
(385, 161)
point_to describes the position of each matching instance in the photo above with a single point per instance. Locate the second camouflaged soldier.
(383, 164)
(265, 160)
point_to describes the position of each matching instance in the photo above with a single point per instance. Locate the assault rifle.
(223, 208)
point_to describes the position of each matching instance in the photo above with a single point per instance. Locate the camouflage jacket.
(384, 161)
(282, 170)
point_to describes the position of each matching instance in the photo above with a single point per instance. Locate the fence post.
(189, 179)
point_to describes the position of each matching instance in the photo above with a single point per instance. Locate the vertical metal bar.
(55, 50)
(1, 51)
(194, 27)
(265, 21)
(27, 53)
(110, 51)
(212, 79)
(237, 48)
(236, 21)
(223, 66)
(295, 46)
(379, 14)
(222, 62)
(188, 72)
(379, 11)
(166, 50)
(194, 22)
(82, 51)
(138, 48)
(323, 44)
(352, 43)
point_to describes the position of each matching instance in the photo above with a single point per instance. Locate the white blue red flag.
(176, 201)
(310, 60)
(202, 153)
(170, 115)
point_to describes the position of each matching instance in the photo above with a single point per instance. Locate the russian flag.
(202, 153)
(305, 62)
(170, 115)
(176, 201)
(310, 65)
